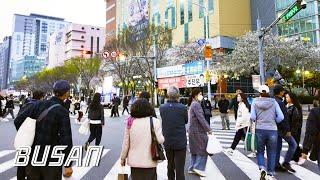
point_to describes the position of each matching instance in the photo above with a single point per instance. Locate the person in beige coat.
(136, 148)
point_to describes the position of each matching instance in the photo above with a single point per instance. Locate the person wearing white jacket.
(242, 123)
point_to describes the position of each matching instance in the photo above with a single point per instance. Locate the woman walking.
(242, 123)
(295, 121)
(266, 113)
(96, 117)
(136, 148)
(198, 134)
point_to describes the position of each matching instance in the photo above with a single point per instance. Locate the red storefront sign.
(179, 82)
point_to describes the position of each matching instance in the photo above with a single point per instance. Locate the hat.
(264, 88)
(61, 86)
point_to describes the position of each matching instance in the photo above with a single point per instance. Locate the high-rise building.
(30, 38)
(111, 25)
(263, 10)
(304, 25)
(228, 19)
(71, 41)
(5, 48)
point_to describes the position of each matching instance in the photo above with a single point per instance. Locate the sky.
(91, 12)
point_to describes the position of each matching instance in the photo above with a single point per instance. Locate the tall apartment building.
(228, 19)
(265, 11)
(303, 25)
(30, 39)
(5, 48)
(111, 25)
(71, 41)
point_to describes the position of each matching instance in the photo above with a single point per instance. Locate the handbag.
(250, 141)
(157, 151)
(123, 175)
(213, 145)
(26, 132)
(85, 127)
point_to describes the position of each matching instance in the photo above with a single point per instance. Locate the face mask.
(239, 99)
(200, 97)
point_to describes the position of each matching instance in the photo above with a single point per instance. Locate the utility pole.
(260, 48)
(155, 55)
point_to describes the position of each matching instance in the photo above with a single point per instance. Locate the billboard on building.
(138, 17)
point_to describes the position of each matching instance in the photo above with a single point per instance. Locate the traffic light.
(207, 52)
(297, 6)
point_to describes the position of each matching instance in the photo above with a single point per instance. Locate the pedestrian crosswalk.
(215, 170)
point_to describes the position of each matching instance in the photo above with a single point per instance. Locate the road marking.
(212, 171)
(250, 168)
(79, 172)
(6, 152)
(6, 165)
(301, 172)
(115, 170)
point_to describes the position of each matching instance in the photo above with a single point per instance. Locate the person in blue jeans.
(266, 113)
(284, 132)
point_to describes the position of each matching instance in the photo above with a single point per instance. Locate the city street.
(219, 167)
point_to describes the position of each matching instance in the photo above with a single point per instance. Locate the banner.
(194, 68)
(195, 80)
(171, 71)
(179, 82)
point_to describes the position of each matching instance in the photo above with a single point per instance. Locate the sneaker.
(191, 172)
(86, 145)
(229, 151)
(280, 169)
(263, 174)
(200, 173)
(288, 167)
(301, 161)
(271, 177)
(252, 155)
(228, 128)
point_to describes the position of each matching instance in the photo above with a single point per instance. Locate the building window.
(98, 29)
(82, 37)
(181, 12)
(211, 5)
(92, 28)
(201, 10)
(82, 28)
(186, 33)
(189, 10)
(43, 48)
(82, 46)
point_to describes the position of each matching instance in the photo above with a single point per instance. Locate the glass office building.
(304, 25)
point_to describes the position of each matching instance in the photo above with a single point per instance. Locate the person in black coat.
(312, 135)
(9, 107)
(96, 117)
(125, 104)
(53, 130)
(223, 105)
(295, 121)
(207, 108)
(284, 132)
(174, 117)
(235, 104)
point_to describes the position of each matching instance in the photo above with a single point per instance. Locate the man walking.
(174, 119)
(9, 107)
(284, 133)
(53, 130)
(223, 105)
(125, 104)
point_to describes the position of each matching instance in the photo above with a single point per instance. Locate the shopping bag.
(213, 146)
(122, 175)
(26, 132)
(85, 127)
(250, 142)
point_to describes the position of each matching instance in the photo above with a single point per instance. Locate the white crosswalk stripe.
(239, 160)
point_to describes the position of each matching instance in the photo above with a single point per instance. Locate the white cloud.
(90, 12)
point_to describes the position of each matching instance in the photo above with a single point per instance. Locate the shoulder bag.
(157, 151)
(26, 133)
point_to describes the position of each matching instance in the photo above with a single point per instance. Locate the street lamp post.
(206, 37)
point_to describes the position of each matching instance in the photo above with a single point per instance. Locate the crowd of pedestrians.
(272, 119)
